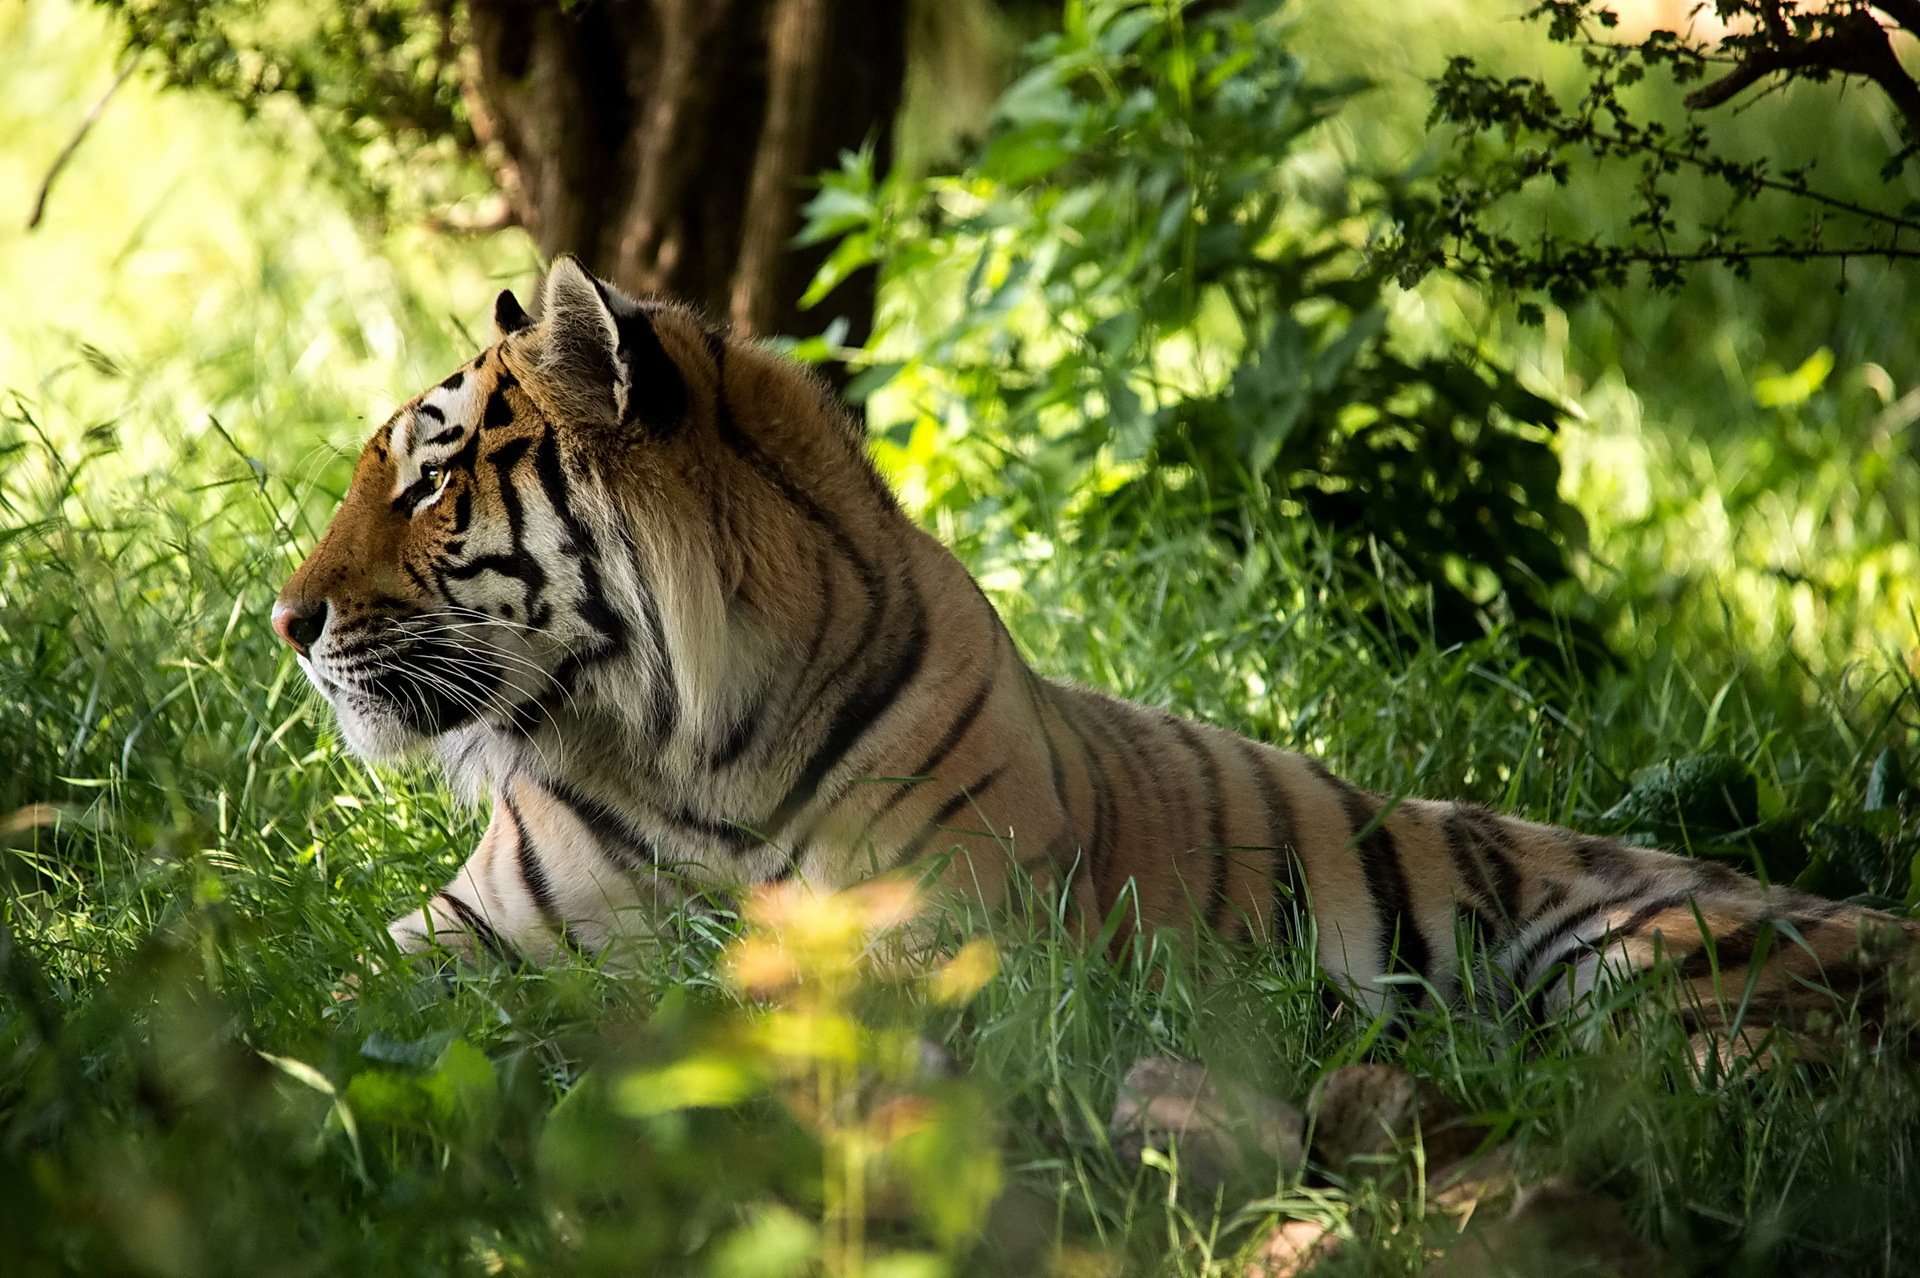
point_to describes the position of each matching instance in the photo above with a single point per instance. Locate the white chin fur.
(377, 738)
(373, 733)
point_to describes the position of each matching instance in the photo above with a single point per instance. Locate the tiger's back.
(640, 584)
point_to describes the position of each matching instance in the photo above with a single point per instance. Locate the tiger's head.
(574, 519)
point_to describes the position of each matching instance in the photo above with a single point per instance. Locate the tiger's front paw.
(449, 929)
(413, 934)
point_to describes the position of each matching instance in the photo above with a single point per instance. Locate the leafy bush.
(1153, 276)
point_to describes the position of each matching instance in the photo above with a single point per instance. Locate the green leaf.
(848, 256)
(1705, 795)
(1886, 787)
(1784, 390)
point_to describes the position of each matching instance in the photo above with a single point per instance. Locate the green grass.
(186, 1086)
(217, 867)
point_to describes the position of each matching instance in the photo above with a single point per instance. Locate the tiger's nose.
(299, 624)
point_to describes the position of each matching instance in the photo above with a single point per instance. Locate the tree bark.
(669, 143)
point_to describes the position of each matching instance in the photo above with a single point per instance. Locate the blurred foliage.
(376, 81)
(1148, 279)
(1519, 133)
(801, 1132)
(796, 1132)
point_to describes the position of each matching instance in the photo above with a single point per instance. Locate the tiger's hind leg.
(1755, 975)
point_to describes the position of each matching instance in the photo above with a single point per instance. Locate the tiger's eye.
(434, 474)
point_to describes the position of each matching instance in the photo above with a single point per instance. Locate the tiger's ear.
(600, 355)
(509, 317)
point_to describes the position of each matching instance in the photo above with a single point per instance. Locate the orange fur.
(702, 643)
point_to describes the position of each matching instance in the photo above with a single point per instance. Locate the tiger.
(636, 582)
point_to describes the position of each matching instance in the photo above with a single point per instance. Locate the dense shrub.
(1154, 274)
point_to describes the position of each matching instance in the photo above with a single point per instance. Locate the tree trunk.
(669, 143)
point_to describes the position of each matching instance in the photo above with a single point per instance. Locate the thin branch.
(1775, 24)
(1481, 265)
(1855, 44)
(1795, 189)
(73, 143)
(1904, 12)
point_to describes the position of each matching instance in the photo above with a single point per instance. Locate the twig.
(1855, 44)
(73, 144)
(1621, 142)
(1904, 12)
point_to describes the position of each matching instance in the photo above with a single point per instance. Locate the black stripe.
(1493, 852)
(463, 458)
(1523, 963)
(429, 411)
(872, 579)
(1130, 721)
(1718, 875)
(592, 607)
(1603, 858)
(498, 412)
(945, 812)
(957, 730)
(517, 562)
(1287, 894)
(859, 712)
(1054, 766)
(533, 872)
(874, 695)
(1628, 927)
(1216, 817)
(1485, 871)
(422, 582)
(1401, 943)
(1058, 850)
(446, 436)
(823, 626)
(656, 388)
(1477, 893)
(454, 379)
(743, 733)
(929, 765)
(1100, 851)
(508, 455)
(740, 735)
(1631, 925)
(1730, 951)
(618, 840)
(481, 929)
(1119, 744)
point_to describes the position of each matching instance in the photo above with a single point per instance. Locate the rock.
(1216, 1130)
(1554, 1228)
(1017, 1237)
(1485, 1182)
(1365, 1117)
